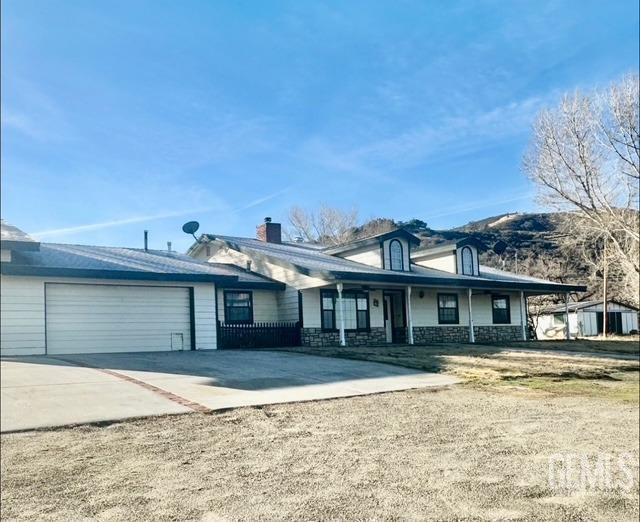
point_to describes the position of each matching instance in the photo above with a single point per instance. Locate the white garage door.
(116, 318)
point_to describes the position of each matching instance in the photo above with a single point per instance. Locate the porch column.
(523, 315)
(409, 317)
(566, 316)
(472, 335)
(343, 341)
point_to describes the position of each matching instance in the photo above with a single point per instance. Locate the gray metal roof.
(372, 240)
(332, 268)
(12, 238)
(101, 262)
(583, 304)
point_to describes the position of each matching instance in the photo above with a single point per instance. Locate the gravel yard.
(478, 451)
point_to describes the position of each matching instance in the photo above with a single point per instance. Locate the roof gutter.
(87, 273)
(470, 283)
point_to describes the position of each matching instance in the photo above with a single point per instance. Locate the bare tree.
(585, 159)
(326, 225)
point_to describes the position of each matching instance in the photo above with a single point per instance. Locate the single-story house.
(61, 299)
(376, 290)
(586, 320)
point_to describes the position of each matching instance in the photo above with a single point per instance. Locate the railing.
(258, 335)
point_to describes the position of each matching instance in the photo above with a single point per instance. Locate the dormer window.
(396, 255)
(467, 261)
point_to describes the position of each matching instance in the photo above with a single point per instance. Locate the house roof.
(333, 268)
(61, 260)
(447, 246)
(583, 304)
(373, 240)
(12, 238)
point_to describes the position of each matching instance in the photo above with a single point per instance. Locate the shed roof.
(582, 305)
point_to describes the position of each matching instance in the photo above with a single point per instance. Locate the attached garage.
(101, 318)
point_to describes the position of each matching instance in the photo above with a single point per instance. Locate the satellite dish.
(190, 227)
(500, 247)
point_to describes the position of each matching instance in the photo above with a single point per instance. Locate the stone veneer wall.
(421, 335)
(316, 337)
(440, 334)
(497, 333)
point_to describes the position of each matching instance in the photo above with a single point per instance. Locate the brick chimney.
(269, 232)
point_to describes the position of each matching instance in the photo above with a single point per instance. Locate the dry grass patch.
(453, 454)
(509, 368)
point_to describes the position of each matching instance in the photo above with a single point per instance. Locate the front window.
(238, 307)
(467, 261)
(501, 309)
(355, 306)
(448, 309)
(395, 255)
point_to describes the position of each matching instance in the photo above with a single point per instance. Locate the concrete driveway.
(43, 391)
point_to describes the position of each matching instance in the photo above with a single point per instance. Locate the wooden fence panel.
(258, 335)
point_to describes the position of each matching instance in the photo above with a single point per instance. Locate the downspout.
(472, 334)
(343, 341)
(409, 316)
(523, 315)
(566, 314)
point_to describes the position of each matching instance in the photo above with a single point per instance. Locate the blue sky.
(121, 116)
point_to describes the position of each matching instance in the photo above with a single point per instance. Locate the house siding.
(369, 256)
(22, 311)
(265, 305)
(445, 262)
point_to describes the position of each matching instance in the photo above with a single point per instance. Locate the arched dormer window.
(467, 261)
(396, 255)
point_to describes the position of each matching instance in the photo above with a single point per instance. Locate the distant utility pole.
(604, 289)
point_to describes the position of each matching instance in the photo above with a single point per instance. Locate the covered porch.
(350, 313)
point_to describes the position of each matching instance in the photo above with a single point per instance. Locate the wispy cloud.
(78, 229)
(461, 209)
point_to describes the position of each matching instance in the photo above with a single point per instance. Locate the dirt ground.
(478, 451)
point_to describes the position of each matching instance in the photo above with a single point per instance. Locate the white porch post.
(472, 335)
(343, 341)
(523, 315)
(409, 317)
(566, 315)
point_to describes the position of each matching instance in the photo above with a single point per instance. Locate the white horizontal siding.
(424, 309)
(370, 256)
(445, 262)
(265, 305)
(288, 304)
(204, 314)
(21, 316)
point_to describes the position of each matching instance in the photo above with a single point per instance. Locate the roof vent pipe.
(248, 265)
(169, 246)
(146, 240)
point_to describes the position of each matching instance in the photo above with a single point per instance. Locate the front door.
(388, 318)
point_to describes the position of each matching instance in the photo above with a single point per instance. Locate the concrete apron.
(39, 392)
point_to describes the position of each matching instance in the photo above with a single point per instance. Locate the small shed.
(586, 319)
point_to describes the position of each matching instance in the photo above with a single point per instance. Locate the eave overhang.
(28, 270)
